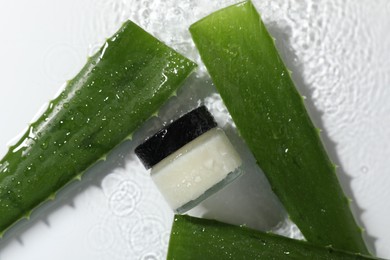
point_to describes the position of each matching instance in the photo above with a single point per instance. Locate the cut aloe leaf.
(195, 238)
(120, 87)
(257, 89)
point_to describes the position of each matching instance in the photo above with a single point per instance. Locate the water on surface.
(337, 50)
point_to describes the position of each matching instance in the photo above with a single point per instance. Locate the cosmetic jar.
(190, 159)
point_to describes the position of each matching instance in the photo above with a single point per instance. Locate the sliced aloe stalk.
(120, 87)
(195, 238)
(257, 89)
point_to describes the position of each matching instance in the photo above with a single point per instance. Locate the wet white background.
(340, 58)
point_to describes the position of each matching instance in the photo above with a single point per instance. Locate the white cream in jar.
(190, 159)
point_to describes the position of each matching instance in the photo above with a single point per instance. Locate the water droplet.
(146, 235)
(29, 168)
(150, 256)
(44, 145)
(122, 203)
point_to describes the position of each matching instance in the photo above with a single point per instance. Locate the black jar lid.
(174, 136)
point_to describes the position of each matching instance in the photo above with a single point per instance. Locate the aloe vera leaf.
(120, 87)
(257, 89)
(195, 238)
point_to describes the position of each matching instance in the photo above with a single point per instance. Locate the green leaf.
(257, 89)
(195, 238)
(119, 88)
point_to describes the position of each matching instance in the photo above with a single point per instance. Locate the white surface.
(338, 52)
(190, 171)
